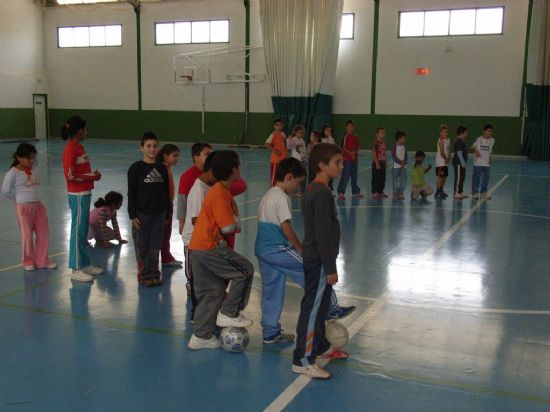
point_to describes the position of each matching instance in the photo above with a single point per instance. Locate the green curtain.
(312, 112)
(537, 129)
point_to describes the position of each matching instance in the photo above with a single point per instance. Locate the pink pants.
(33, 218)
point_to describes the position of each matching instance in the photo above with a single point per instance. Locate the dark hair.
(461, 130)
(378, 129)
(223, 164)
(289, 165)
(208, 161)
(277, 121)
(326, 126)
(111, 199)
(419, 153)
(197, 149)
(322, 153)
(23, 150)
(148, 136)
(399, 134)
(72, 126)
(349, 122)
(167, 149)
(297, 128)
(488, 126)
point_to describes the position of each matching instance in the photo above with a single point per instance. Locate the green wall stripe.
(16, 123)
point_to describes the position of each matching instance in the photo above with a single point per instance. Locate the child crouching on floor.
(104, 211)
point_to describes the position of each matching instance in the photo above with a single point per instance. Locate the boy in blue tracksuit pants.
(278, 250)
(320, 251)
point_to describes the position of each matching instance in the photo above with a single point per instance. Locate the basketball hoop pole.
(247, 70)
(203, 101)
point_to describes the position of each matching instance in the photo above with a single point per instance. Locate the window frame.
(173, 22)
(423, 36)
(352, 28)
(90, 47)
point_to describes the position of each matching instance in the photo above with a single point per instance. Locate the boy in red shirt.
(379, 165)
(350, 151)
(276, 142)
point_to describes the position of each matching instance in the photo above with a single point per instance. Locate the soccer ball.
(234, 339)
(337, 334)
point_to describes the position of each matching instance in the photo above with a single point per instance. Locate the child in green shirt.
(419, 185)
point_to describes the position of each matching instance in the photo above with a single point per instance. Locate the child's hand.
(378, 166)
(277, 152)
(136, 222)
(97, 175)
(122, 241)
(332, 279)
(181, 223)
(476, 153)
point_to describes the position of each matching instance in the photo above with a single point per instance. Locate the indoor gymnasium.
(435, 111)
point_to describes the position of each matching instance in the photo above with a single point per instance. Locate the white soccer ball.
(337, 334)
(234, 339)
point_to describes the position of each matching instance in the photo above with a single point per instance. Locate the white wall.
(474, 75)
(94, 77)
(22, 70)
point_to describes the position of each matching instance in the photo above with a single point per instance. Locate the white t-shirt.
(270, 138)
(439, 160)
(485, 148)
(328, 139)
(19, 187)
(400, 153)
(195, 199)
(275, 207)
(298, 148)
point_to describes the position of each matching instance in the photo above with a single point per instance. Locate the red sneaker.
(334, 354)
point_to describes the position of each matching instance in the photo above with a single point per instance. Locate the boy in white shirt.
(482, 148)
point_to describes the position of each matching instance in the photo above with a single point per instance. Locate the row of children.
(278, 143)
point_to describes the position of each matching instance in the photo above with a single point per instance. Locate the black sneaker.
(340, 312)
(280, 338)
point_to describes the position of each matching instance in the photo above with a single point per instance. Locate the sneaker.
(439, 195)
(334, 354)
(475, 196)
(29, 268)
(196, 343)
(458, 196)
(224, 321)
(376, 196)
(52, 265)
(280, 338)
(444, 194)
(312, 371)
(341, 196)
(173, 263)
(359, 195)
(384, 195)
(92, 270)
(486, 196)
(340, 312)
(81, 276)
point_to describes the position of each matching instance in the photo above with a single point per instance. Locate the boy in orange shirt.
(214, 262)
(276, 142)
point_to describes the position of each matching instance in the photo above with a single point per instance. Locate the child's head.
(419, 157)
(199, 153)
(290, 174)
(327, 130)
(278, 125)
(443, 131)
(24, 156)
(74, 127)
(462, 132)
(380, 133)
(400, 137)
(111, 199)
(314, 137)
(350, 126)
(326, 158)
(168, 155)
(149, 146)
(298, 131)
(488, 130)
(207, 174)
(225, 166)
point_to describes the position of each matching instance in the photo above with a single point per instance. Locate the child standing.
(297, 146)
(483, 148)
(80, 182)
(276, 142)
(320, 250)
(104, 211)
(314, 140)
(378, 181)
(442, 159)
(419, 185)
(214, 262)
(459, 161)
(350, 146)
(168, 156)
(148, 202)
(399, 170)
(327, 135)
(22, 186)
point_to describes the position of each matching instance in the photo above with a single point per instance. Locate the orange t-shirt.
(278, 140)
(218, 211)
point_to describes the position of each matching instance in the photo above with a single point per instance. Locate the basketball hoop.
(186, 79)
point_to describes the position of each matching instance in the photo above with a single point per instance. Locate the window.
(459, 22)
(89, 36)
(186, 32)
(347, 26)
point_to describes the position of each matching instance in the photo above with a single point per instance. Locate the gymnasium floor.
(453, 307)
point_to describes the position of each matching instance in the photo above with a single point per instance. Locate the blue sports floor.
(453, 307)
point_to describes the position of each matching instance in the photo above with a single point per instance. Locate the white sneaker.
(52, 265)
(92, 270)
(312, 371)
(81, 276)
(196, 343)
(224, 321)
(29, 268)
(475, 196)
(458, 196)
(486, 196)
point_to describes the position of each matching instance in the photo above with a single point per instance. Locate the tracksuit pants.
(460, 175)
(378, 181)
(399, 180)
(350, 170)
(79, 257)
(33, 222)
(211, 268)
(275, 266)
(310, 332)
(147, 242)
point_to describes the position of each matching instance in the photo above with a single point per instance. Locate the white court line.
(249, 201)
(288, 395)
(470, 309)
(6, 268)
